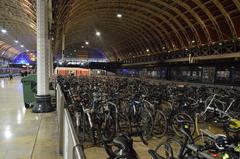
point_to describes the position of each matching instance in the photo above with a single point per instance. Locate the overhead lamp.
(147, 50)
(193, 41)
(21, 45)
(163, 48)
(4, 31)
(27, 50)
(98, 33)
(82, 46)
(220, 44)
(16, 41)
(119, 15)
(186, 49)
(86, 42)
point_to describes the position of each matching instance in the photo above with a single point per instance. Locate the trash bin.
(29, 89)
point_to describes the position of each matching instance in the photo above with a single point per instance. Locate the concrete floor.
(23, 134)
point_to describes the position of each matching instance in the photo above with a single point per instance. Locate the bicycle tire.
(176, 127)
(171, 148)
(108, 129)
(146, 127)
(124, 123)
(160, 124)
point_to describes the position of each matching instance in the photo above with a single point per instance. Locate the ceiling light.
(21, 45)
(193, 41)
(147, 50)
(163, 48)
(86, 42)
(16, 41)
(186, 49)
(220, 44)
(4, 31)
(119, 15)
(82, 46)
(98, 33)
(75, 50)
(27, 50)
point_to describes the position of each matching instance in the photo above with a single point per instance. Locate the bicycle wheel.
(108, 129)
(146, 124)
(160, 124)
(123, 123)
(166, 107)
(170, 148)
(176, 126)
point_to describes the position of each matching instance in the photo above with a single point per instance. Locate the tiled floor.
(23, 134)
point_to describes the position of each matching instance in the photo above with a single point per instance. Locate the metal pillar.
(43, 99)
(50, 61)
(50, 39)
(63, 43)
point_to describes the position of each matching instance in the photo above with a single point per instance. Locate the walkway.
(24, 135)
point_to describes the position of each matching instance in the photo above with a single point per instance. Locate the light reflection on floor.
(2, 83)
(20, 129)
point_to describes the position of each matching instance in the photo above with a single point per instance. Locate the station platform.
(23, 134)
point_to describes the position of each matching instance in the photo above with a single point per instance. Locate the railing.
(69, 145)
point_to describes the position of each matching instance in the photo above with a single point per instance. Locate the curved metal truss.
(19, 19)
(7, 51)
(147, 26)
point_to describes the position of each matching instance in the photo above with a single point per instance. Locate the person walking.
(10, 76)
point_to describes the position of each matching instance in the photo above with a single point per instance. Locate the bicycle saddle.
(181, 120)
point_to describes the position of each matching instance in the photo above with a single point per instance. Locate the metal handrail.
(77, 146)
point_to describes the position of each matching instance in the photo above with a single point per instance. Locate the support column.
(50, 61)
(63, 43)
(43, 99)
(50, 39)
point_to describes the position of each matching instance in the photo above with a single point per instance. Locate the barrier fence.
(68, 145)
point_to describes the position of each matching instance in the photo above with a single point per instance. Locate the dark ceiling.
(18, 18)
(146, 26)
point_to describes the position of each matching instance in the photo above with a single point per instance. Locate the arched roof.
(147, 26)
(19, 20)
